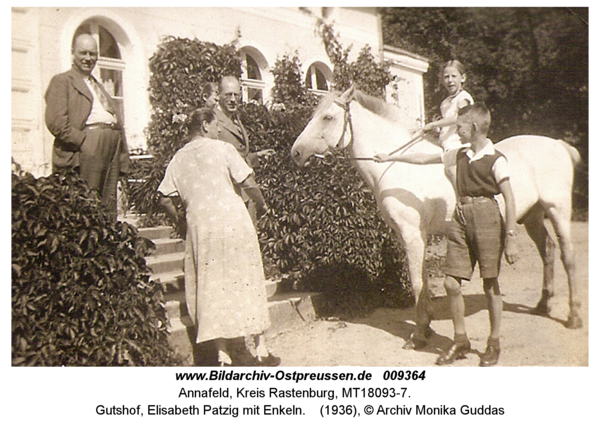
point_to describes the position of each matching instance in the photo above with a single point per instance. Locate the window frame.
(249, 83)
(106, 62)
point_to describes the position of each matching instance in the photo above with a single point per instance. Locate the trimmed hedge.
(81, 293)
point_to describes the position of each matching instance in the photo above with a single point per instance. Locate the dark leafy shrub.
(322, 218)
(81, 293)
(324, 222)
(289, 89)
(179, 69)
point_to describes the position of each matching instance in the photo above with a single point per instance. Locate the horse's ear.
(348, 94)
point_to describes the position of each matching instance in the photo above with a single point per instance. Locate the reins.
(348, 124)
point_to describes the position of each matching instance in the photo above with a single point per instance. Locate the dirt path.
(527, 340)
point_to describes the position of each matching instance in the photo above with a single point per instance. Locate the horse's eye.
(327, 117)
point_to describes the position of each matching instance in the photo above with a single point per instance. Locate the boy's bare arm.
(412, 158)
(511, 247)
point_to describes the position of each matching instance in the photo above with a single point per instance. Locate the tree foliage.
(81, 293)
(365, 73)
(529, 65)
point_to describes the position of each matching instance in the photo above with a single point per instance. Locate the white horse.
(417, 200)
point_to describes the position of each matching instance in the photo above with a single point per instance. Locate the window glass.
(321, 80)
(108, 45)
(316, 80)
(255, 95)
(252, 68)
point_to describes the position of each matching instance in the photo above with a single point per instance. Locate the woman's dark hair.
(208, 89)
(198, 117)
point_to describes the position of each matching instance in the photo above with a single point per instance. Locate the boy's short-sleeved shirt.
(499, 168)
(475, 233)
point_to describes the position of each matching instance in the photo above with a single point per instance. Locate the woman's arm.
(171, 212)
(253, 191)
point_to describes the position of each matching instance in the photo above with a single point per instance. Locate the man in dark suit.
(231, 129)
(85, 122)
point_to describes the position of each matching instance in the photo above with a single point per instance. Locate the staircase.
(287, 309)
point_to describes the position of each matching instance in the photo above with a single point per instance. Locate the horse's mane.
(376, 105)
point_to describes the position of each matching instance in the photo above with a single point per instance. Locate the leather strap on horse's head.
(347, 122)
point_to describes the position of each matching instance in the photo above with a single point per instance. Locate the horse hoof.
(414, 344)
(541, 309)
(574, 322)
(418, 340)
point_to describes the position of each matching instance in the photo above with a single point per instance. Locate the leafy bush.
(81, 293)
(179, 69)
(365, 73)
(324, 228)
(289, 89)
(323, 219)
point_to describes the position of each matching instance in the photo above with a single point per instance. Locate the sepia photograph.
(300, 188)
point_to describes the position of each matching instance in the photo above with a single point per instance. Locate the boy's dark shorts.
(475, 234)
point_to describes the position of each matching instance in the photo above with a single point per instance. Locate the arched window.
(110, 66)
(318, 77)
(253, 66)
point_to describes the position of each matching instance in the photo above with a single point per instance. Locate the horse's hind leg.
(561, 221)
(534, 225)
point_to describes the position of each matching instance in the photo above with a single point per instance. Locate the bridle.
(348, 126)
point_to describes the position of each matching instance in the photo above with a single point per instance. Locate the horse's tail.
(575, 156)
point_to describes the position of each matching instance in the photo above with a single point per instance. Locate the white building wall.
(406, 91)
(27, 125)
(42, 41)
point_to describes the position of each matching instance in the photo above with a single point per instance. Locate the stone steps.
(286, 309)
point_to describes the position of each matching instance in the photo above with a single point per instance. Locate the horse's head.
(328, 130)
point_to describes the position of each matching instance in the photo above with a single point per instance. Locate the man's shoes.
(490, 357)
(457, 351)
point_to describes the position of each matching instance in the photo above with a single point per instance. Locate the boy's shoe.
(490, 357)
(457, 351)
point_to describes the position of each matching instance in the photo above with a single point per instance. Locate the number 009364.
(404, 375)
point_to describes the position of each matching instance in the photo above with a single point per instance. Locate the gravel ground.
(527, 340)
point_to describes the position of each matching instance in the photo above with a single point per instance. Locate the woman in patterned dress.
(224, 276)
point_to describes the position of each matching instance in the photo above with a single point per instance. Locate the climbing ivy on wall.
(323, 221)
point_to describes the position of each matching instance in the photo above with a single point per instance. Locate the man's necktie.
(100, 94)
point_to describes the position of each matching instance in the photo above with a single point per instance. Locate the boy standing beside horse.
(477, 232)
